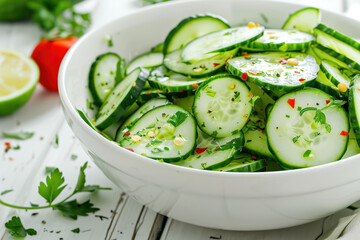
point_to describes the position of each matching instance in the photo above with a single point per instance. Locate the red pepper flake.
(216, 64)
(244, 53)
(283, 61)
(200, 150)
(148, 93)
(252, 81)
(297, 72)
(182, 90)
(344, 133)
(253, 157)
(302, 79)
(127, 134)
(8, 144)
(11, 159)
(291, 102)
(130, 149)
(327, 101)
(195, 86)
(159, 90)
(244, 76)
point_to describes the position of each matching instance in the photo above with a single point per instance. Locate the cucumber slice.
(255, 137)
(314, 132)
(282, 40)
(332, 72)
(353, 148)
(159, 48)
(191, 28)
(243, 162)
(186, 102)
(272, 70)
(147, 60)
(222, 105)
(120, 99)
(149, 94)
(338, 42)
(202, 68)
(224, 40)
(169, 81)
(329, 54)
(166, 132)
(304, 19)
(262, 99)
(102, 76)
(212, 153)
(151, 104)
(323, 83)
(354, 107)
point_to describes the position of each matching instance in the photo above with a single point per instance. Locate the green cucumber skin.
(283, 46)
(236, 72)
(333, 79)
(354, 121)
(291, 16)
(183, 23)
(128, 100)
(347, 61)
(92, 88)
(339, 36)
(238, 45)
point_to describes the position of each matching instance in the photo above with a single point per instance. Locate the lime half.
(18, 77)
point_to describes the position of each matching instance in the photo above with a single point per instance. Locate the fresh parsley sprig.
(51, 189)
(17, 229)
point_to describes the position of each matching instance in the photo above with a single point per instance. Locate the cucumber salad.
(240, 98)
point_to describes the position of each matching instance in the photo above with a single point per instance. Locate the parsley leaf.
(20, 135)
(73, 209)
(49, 169)
(76, 230)
(80, 185)
(178, 118)
(53, 186)
(16, 228)
(6, 191)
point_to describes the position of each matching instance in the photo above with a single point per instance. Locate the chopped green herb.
(208, 151)
(154, 1)
(264, 18)
(236, 94)
(17, 229)
(74, 156)
(214, 134)
(178, 118)
(148, 145)
(156, 150)
(210, 92)
(288, 116)
(20, 135)
(166, 149)
(328, 127)
(203, 165)
(203, 124)
(295, 139)
(307, 153)
(108, 40)
(316, 134)
(299, 108)
(56, 142)
(76, 230)
(235, 132)
(156, 142)
(6, 191)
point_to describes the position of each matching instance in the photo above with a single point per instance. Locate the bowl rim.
(171, 167)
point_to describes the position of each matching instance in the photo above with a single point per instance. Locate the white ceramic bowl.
(233, 201)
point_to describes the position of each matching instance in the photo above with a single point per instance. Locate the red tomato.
(48, 54)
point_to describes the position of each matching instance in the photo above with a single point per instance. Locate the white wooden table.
(119, 217)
